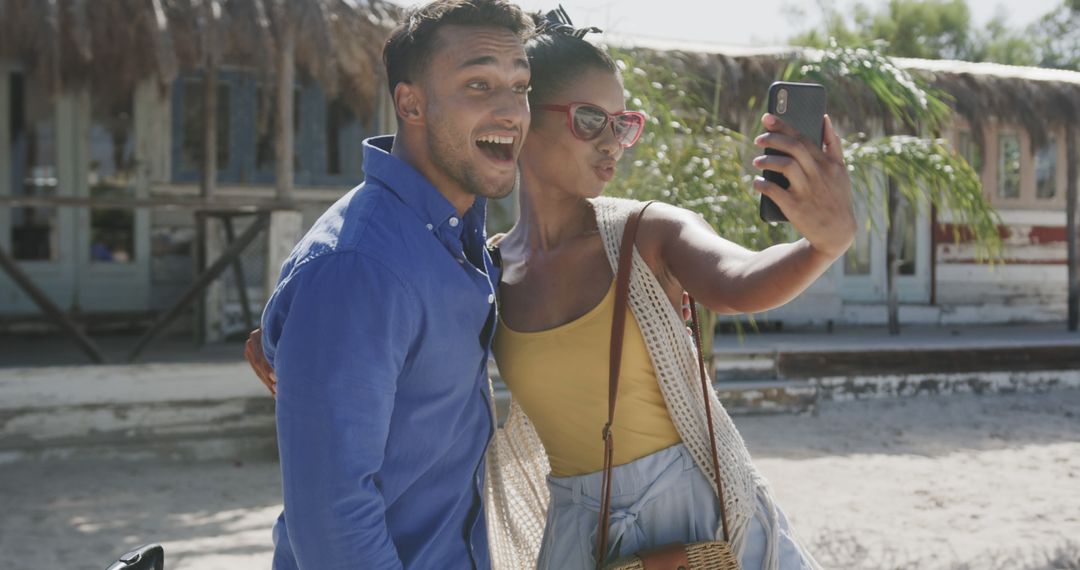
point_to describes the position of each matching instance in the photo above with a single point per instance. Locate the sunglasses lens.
(589, 122)
(628, 128)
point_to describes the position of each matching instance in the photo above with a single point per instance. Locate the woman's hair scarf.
(558, 22)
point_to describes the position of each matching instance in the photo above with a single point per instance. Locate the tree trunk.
(894, 237)
(933, 254)
(283, 150)
(1073, 174)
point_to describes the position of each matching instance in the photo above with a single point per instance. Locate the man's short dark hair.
(411, 44)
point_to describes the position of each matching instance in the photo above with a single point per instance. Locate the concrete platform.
(204, 403)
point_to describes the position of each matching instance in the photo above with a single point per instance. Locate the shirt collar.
(415, 190)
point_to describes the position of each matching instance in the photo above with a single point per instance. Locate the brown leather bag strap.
(696, 326)
(618, 327)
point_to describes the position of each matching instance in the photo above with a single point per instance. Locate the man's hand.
(818, 200)
(687, 314)
(253, 352)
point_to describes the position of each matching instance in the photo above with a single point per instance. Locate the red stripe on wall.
(1038, 235)
(1009, 261)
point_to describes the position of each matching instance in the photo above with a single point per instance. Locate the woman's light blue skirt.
(656, 500)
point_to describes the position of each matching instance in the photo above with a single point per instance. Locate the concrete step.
(745, 367)
(168, 411)
(767, 397)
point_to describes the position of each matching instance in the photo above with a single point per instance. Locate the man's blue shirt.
(379, 332)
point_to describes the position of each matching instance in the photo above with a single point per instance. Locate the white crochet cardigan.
(516, 491)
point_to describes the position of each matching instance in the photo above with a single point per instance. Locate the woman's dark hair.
(559, 55)
(412, 43)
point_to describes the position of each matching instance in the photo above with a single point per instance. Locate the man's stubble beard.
(440, 149)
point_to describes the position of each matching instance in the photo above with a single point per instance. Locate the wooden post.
(284, 226)
(1073, 174)
(207, 183)
(8, 264)
(209, 166)
(198, 259)
(238, 274)
(285, 230)
(195, 291)
(283, 148)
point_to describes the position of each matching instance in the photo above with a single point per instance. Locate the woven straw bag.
(708, 555)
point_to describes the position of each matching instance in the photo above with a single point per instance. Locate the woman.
(555, 315)
(557, 303)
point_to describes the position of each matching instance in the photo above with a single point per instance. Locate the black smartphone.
(801, 105)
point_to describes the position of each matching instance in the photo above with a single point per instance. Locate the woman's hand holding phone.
(818, 199)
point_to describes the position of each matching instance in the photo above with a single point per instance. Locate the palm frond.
(927, 170)
(896, 91)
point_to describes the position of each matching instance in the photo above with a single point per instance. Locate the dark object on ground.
(146, 557)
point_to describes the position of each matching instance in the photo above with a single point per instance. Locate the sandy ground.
(963, 482)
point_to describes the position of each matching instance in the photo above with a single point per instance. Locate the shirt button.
(491, 298)
(461, 261)
(430, 227)
(454, 222)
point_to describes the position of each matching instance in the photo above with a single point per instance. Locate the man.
(380, 326)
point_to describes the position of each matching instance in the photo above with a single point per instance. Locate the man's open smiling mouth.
(497, 147)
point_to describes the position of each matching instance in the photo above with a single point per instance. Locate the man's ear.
(409, 103)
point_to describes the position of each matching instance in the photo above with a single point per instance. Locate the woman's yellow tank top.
(559, 377)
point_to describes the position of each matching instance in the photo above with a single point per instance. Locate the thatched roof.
(110, 45)
(1037, 99)
(1034, 98)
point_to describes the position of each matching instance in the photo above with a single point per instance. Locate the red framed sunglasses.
(588, 121)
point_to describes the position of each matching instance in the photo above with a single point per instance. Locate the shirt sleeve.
(340, 330)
